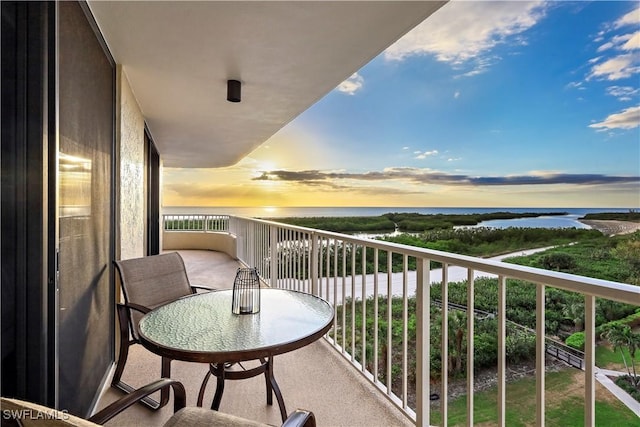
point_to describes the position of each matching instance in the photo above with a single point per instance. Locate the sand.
(611, 227)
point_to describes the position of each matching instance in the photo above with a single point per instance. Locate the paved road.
(355, 286)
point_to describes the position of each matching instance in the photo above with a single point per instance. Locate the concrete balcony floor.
(315, 377)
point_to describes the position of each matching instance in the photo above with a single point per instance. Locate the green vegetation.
(521, 405)
(592, 254)
(608, 358)
(576, 340)
(632, 215)
(614, 258)
(406, 222)
(486, 242)
(478, 242)
(624, 339)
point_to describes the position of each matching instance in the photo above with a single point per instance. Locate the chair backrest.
(153, 281)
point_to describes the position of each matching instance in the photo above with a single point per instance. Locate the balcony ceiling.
(178, 57)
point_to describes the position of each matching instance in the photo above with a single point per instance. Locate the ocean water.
(563, 221)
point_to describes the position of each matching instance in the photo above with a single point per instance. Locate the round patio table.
(202, 328)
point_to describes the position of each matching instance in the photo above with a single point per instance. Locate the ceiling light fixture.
(233, 90)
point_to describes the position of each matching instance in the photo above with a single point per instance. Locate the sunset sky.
(485, 104)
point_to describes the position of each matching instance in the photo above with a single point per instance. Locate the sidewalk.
(602, 375)
(454, 274)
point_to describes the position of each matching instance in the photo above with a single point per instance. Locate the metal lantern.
(246, 291)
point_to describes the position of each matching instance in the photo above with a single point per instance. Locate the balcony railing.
(348, 271)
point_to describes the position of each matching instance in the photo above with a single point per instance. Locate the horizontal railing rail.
(357, 276)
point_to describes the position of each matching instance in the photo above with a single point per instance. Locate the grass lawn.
(606, 358)
(564, 404)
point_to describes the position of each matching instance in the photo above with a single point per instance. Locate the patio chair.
(147, 283)
(20, 413)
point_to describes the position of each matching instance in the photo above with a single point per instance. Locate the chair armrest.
(194, 288)
(137, 307)
(300, 418)
(179, 399)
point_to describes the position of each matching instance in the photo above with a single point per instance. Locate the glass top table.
(202, 328)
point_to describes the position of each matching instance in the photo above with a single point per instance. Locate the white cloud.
(623, 93)
(464, 31)
(606, 46)
(456, 95)
(619, 67)
(626, 119)
(352, 84)
(632, 42)
(630, 18)
(424, 155)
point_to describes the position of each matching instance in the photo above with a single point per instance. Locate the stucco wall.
(132, 177)
(214, 241)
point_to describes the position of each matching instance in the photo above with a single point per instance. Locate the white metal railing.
(193, 222)
(334, 266)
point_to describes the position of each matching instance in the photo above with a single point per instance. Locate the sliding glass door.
(85, 210)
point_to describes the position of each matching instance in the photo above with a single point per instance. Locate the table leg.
(165, 373)
(275, 389)
(217, 398)
(203, 388)
(267, 383)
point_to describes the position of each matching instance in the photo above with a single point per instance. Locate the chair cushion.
(32, 414)
(196, 417)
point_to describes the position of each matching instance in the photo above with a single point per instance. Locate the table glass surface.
(205, 323)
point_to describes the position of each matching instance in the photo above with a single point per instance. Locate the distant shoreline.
(612, 227)
(283, 212)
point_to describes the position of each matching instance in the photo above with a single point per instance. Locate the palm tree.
(574, 311)
(622, 337)
(457, 330)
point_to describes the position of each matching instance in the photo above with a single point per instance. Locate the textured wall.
(132, 179)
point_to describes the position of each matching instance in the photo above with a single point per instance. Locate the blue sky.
(532, 104)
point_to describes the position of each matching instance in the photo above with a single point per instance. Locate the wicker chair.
(147, 283)
(21, 413)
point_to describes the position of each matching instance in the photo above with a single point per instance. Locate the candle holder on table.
(246, 291)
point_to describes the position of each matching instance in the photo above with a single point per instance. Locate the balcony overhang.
(179, 55)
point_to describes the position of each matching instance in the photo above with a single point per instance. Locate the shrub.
(576, 340)
(626, 383)
(629, 320)
(558, 261)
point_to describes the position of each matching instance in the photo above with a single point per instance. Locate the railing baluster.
(423, 342)
(335, 289)
(502, 335)
(444, 374)
(376, 313)
(344, 297)
(316, 259)
(470, 333)
(353, 302)
(540, 354)
(364, 308)
(589, 353)
(327, 273)
(389, 320)
(405, 332)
